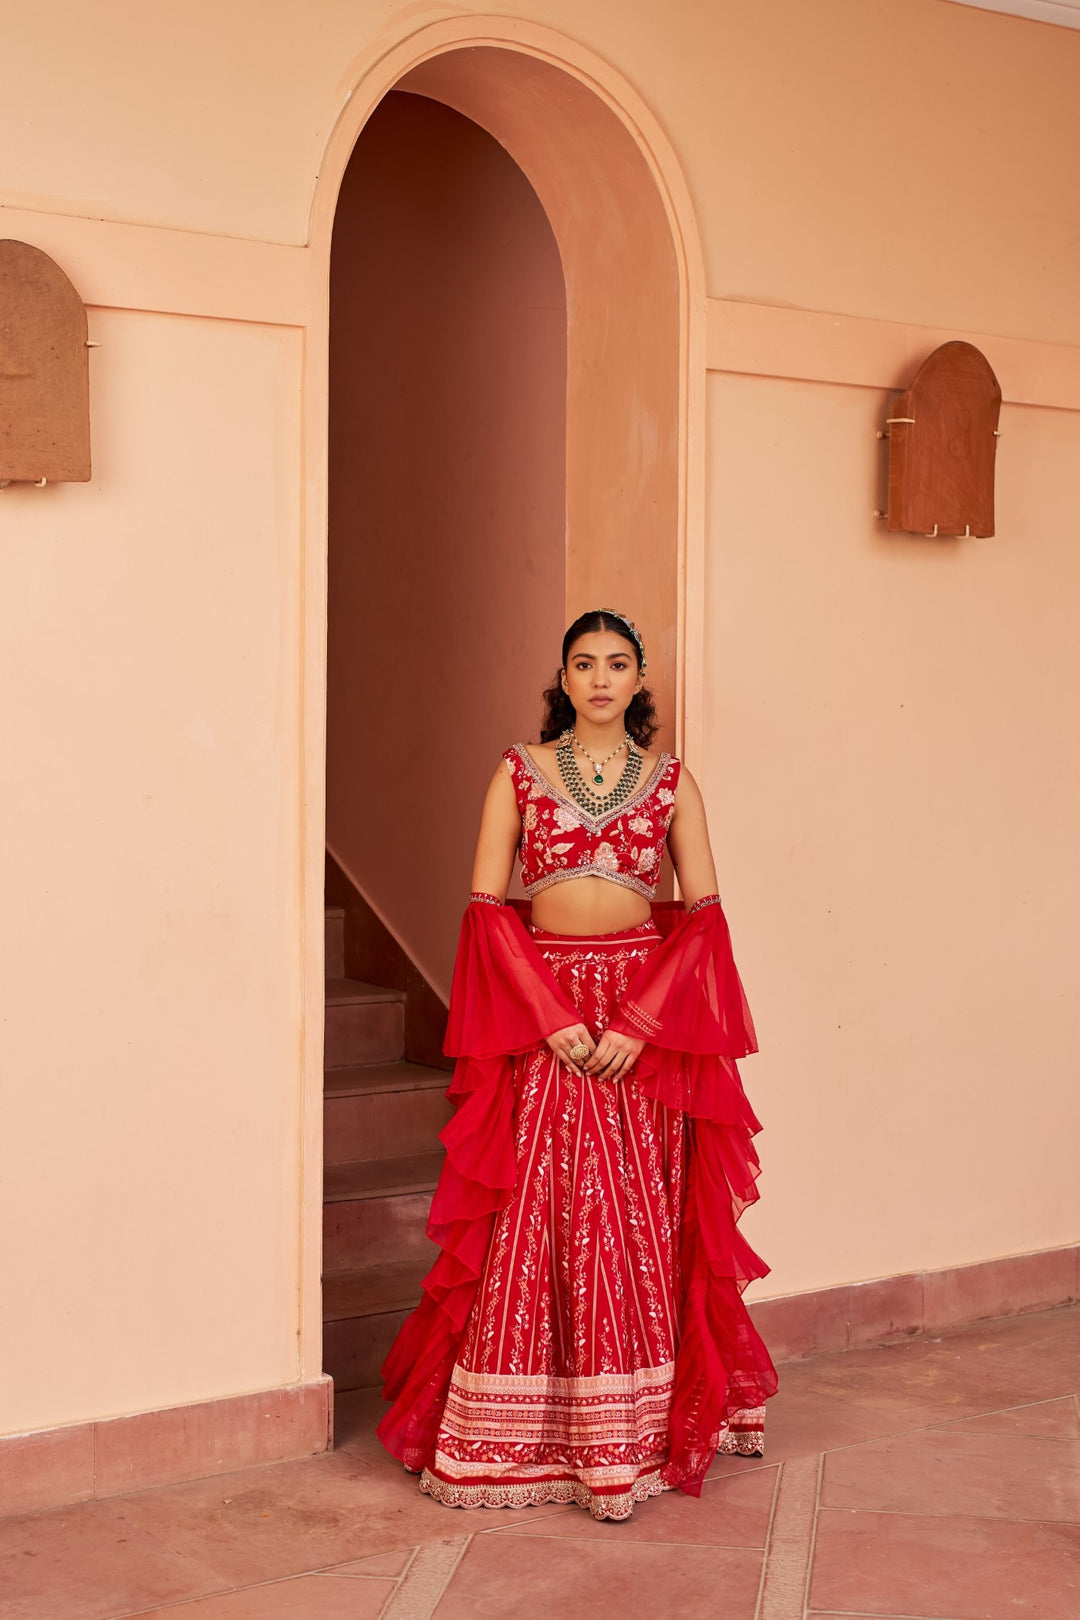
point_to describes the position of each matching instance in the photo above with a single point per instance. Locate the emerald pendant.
(598, 779)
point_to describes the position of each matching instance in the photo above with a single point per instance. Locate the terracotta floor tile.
(1046, 1367)
(290, 1518)
(732, 1467)
(728, 1513)
(525, 1577)
(1030, 1326)
(1001, 1476)
(309, 1597)
(922, 1381)
(91, 1562)
(963, 1568)
(802, 1422)
(1060, 1418)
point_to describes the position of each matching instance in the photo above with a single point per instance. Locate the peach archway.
(620, 211)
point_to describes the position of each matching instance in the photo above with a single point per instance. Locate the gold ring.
(578, 1053)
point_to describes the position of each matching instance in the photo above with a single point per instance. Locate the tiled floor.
(937, 1478)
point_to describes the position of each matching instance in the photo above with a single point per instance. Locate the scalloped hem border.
(747, 1437)
(747, 1443)
(539, 1493)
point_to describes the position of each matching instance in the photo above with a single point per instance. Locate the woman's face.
(601, 677)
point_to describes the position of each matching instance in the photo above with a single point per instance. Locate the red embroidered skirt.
(562, 1386)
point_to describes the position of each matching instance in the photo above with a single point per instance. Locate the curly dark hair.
(640, 718)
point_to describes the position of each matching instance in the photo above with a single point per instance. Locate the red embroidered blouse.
(560, 840)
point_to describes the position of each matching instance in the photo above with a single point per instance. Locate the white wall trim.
(1062, 13)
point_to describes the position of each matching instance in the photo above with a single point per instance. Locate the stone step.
(362, 1313)
(381, 1178)
(370, 1077)
(355, 1349)
(372, 1231)
(372, 1290)
(392, 1118)
(335, 942)
(365, 1023)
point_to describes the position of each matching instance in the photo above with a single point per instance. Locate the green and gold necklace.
(585, 794)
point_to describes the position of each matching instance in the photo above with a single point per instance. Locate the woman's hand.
(614, 1057)
(564, 1040)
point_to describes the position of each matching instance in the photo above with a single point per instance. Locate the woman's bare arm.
(688, 842)
(500, 833)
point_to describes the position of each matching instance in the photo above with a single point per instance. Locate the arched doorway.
(631, 470)
(447, 505)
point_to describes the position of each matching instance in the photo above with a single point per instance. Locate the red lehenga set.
(582, 1336)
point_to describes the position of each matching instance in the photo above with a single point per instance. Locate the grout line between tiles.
(535, 1518)
(333, 1570)
(981, 1518)
(274, 1580)
(768, 1542)
(752, 1467)
(864, 1614)
(948, 1423)
(205, 1597)
(719, 1546)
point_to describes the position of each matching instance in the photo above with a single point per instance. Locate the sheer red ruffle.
(688, 1002)
(688, 998)
(503, 1000)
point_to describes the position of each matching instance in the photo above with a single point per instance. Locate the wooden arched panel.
(44, 374)
(942, 446)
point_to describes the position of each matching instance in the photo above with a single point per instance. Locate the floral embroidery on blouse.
(559, 840)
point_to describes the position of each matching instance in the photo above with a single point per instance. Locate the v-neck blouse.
(560, 840)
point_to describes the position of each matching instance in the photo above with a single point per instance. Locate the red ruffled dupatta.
(503, 1001)
(687, 1002)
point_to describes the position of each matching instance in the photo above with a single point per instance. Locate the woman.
(582, 1337)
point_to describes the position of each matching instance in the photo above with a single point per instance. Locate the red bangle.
(485, 899)
(706, 900)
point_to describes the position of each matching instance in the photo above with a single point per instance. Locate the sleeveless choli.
(561, 840)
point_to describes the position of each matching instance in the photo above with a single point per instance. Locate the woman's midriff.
(588, 905)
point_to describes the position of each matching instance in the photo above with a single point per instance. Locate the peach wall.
(908, 162)
(910, 870)
(150, 925)
(894, 781)
(447, 504)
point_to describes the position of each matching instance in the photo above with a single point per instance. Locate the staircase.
(382, 1116)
